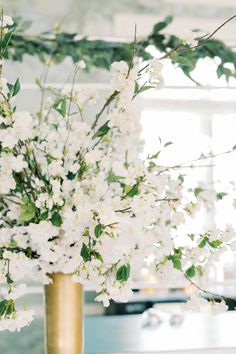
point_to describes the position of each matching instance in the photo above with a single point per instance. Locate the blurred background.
(193, 117)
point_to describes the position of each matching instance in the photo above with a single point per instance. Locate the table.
(124, 334)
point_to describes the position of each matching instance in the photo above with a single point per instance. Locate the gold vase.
(63, 316)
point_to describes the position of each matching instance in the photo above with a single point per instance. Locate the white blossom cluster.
(77, 198)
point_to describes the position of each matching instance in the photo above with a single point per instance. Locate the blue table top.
(124, 334)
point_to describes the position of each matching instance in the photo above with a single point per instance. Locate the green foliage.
(100, 54)
(111, 178)
(56, 219)
(7, 307)
(123, 272)
(205, 240)
(85, 253)
(190, 272)
(168, 143)
(197, 191)
(6, 39)
(98, 230)
(43, 216)
(221, 195)
(176, 261)
(163, 24)
(27, 210)
(60, 106)
(131, 191)
(9, 279)
(13, 89)
(215, 243)
(103, 130)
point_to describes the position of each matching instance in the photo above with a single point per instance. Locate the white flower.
(8, 138)
(218, 307)
(81, 64)
(9, 163)
(56, 169)
(121, 68)
(189, 37)
(93, 156)
(17, 320)
(229, 234)
(23, 125)
(6, 21)
(197, 303)
(14, 211)
(155, 69)
(104, 298)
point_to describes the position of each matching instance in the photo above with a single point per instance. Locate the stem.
(2, 197)
(107, 103)
(217, 29)
(43, 89)
(206, 291)
(69, 107)
(181, 165)
(133, 51)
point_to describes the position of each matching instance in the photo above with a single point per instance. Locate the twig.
(2, 196)
(107, 103)
(182, 165)
(206, 291)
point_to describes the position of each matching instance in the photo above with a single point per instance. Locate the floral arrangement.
(75, 196)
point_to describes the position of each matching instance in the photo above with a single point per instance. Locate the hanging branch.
(100, 53)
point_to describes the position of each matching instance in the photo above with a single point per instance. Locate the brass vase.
(63, 316)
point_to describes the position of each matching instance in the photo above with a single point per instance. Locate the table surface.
(124, 334)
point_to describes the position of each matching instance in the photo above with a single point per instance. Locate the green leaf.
(56, 219)
(131, 190)
(60, 106)
(145, 88)
(190, 272)
(10, 89)
(9, 279)
(44, 216)
(103, 130)
(222, 71)
(197, 191)
(203, 242)
(154, 156)
(191, 236)
(27, 211)
(16, 88)
(221, 195)
(183, 61)
(181, 179)
(215, 243)
(13, 89)
(136, 88)
(176, 262)
(123, 272)
(3, 305)
(6, 40)
(96, 255)
(163, 24)
(111, 178)
(168, 143)
(98, 230)
(85, 253)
